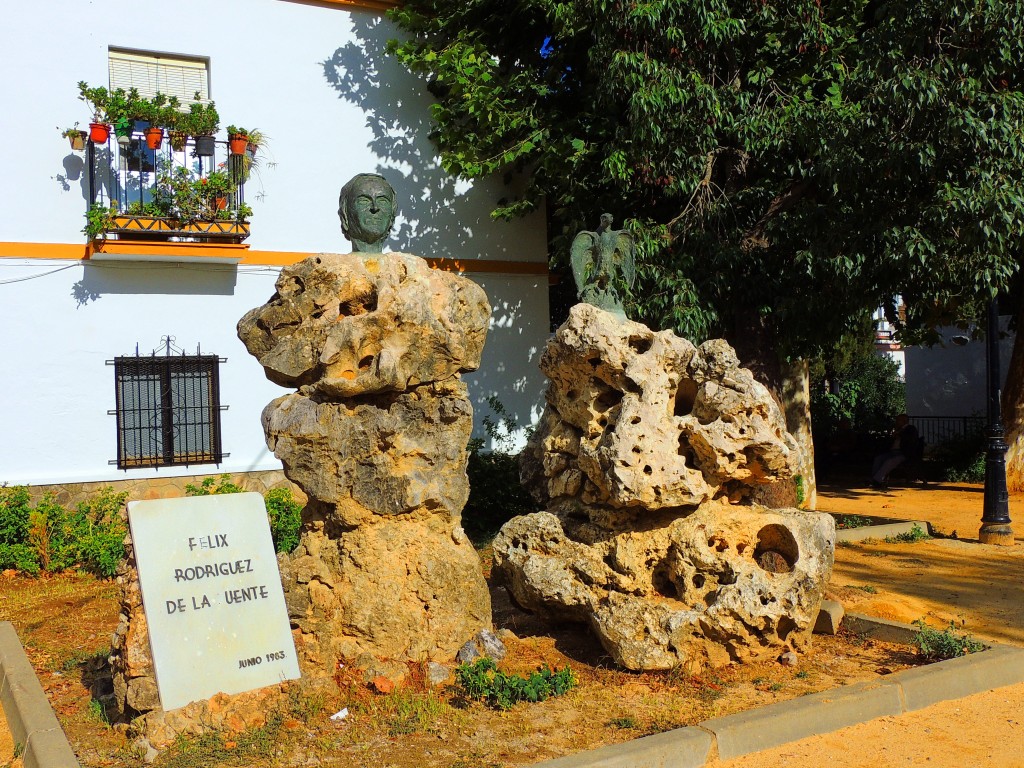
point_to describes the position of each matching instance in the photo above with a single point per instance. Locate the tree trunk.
(1012, 407)
(796, 403)
(790, 386)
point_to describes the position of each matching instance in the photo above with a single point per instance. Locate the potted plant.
(76, 137)
(204, 124)
(174, 120)
(238, 140)
(153, 111)
(122, 108)
(96, 99)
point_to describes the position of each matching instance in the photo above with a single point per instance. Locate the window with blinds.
(180, 76)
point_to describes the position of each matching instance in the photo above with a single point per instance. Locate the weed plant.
(483, 681)
(937, 645)
(912, 536)
(844, 522)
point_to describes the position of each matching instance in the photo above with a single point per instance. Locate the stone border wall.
(70, 494)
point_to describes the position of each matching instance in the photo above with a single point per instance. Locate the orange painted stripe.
(248, 256)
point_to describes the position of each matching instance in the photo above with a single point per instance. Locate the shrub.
(937, 645)
(495, 493)
(914, 535)
(285, 515)
(283, 511)
(483, 681)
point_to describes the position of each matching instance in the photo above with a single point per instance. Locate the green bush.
(961, 459)
(50, 538)
(283, 511)
(483, 681)
(285, 515)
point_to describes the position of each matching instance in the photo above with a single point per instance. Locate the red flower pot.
(99, 133)
(154, 137)
(239, 142)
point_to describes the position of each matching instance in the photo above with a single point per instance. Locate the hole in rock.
(663, 584)
(763, 599)
(609, 398)
(686, 396)
(594, 361)
(602, 422)
(727, 577)
(635, 420)
(786, 625)
(572, 394)
(776, 550)
(366, 362)
(632, 387)
(698, 580)
(740, 548)
(359, 304)
(636, 449)
(639, 344)
(711, 597)
(648, 470)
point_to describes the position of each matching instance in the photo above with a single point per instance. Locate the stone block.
(830, 616)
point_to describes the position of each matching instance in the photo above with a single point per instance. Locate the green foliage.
(285, 515)
(483, 681)
(283, 511)
(937, 645)
(914, 535)
(49, 537)
(961, 459)
(844, 522)
(495, 493)
(863, 387)
(98, 219)
(212, 486)
(784, 167)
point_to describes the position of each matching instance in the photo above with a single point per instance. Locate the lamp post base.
(996, 533)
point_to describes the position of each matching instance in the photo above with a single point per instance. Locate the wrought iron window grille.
(167, 408)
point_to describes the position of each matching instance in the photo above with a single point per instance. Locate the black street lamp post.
(995, 519)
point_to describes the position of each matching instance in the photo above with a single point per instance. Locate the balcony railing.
(167, 194)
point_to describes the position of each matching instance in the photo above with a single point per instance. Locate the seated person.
(906, 446)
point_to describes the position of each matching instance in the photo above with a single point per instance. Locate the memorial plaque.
(212, 593)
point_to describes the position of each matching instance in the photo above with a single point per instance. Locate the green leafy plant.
(73, 133)
(213, 486)
(283, 511)
(914, 535)
(846, 522)
(202, 119)
(495, 492)
(95, 99)
(285, 515)
(483, 681)
(937, 645)
(98, 219)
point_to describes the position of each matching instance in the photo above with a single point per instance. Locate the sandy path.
(979, 587)
(986, 729)
(7, 745)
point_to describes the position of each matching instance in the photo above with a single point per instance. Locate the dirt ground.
(7, 745)
(65, 624)
(979, 587)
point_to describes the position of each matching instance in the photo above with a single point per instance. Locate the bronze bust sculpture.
(367, 210)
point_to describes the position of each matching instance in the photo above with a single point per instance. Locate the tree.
(784, 166)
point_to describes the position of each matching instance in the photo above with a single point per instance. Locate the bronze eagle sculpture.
(604, 265)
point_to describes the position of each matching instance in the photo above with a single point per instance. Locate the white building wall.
(315, 80)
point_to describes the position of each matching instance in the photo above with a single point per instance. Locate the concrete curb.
(758, 729)
(29, 715)
(880, 531)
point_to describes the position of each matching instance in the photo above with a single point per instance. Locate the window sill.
(129, 250)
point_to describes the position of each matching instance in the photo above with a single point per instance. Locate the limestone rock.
(641, 420)
(483, 644)
(721, 583)
(401, 589)
(645, 457)
(398, 453)
(357, 323)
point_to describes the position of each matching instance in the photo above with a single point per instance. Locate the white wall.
(950, 380)
(313, 79)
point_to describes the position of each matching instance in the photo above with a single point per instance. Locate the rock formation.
(643, 458)
(376, 436)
